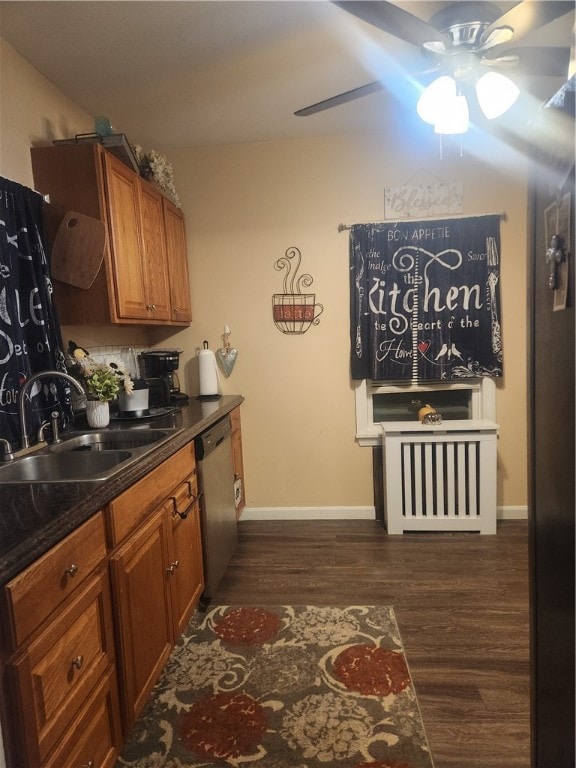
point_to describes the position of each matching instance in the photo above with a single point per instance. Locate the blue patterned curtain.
(29, 331)
(425, 299)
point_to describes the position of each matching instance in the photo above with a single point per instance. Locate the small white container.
(97, 414)
(135, 404)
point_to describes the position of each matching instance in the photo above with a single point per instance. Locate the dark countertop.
(35, 516)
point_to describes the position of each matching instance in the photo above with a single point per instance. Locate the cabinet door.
(124, 217)
(177, 262)
(154, 253)
(142, 602)
(186, 574)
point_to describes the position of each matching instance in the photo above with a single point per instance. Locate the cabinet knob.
(172, 567)
(176, 310)
(72, 570)
(78, 662)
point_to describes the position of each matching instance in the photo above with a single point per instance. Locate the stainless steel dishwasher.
(217, 508)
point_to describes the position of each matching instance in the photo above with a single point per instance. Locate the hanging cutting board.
(78, 249)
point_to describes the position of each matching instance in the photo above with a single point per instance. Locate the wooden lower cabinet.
(140, 580)
(157, 580)
(87, 629)
(51, 678)
(185, 570)
(238, 461)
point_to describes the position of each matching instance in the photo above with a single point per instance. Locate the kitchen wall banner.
(29, 331)
(425, 299)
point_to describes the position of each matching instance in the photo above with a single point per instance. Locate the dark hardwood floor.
(461, 602)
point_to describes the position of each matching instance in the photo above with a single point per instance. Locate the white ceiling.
(183, 73)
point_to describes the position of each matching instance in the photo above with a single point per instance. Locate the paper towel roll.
(208, 372)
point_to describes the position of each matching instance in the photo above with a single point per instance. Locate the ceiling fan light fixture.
(436, 98)
(496, 94)
(455, 118)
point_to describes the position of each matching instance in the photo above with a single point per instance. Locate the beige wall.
(245, 205)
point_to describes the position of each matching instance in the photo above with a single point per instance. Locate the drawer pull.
(89, 764)
(172, 567)
(176, 512)
(72, 570)
(78, 662)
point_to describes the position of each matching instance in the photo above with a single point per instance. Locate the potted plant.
(102, 382)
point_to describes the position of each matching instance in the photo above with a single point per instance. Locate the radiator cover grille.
(444, 480)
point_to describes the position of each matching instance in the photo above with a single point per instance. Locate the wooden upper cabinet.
(141, 280)
(177, 262)
(155, 264)
(126, 242)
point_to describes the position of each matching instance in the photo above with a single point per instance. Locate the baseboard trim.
(512, 513)
(347, 513)
(308, 513)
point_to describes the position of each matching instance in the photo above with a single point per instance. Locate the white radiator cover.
(440, 477)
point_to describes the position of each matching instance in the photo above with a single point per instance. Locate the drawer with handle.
(36, 592)
(128, 511)
(184, 495)
(56, 673)
(92, 739)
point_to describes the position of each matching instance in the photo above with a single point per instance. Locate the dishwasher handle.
(210, 440)
(215, 445)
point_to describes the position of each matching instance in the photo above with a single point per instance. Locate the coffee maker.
(160, 371)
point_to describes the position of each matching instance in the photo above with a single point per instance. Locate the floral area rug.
(283, 687)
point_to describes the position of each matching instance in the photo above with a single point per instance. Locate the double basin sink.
(85, 456)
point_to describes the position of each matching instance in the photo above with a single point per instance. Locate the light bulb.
(496, 94)
(455, 117)
(432, 103)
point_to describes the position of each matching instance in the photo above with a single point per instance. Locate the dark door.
(551, 443)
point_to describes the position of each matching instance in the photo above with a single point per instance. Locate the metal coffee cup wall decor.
(292, 310)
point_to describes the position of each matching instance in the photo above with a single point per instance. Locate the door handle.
(555, 256)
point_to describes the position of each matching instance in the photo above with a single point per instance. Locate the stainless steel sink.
(112, 440)
(62, 467)
(85, 456)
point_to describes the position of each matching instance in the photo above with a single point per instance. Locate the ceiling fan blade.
(392, 19)
(502, 62)
(527, 16)
(547, 61)
(342, 98)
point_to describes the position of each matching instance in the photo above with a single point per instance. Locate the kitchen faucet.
(25, 442)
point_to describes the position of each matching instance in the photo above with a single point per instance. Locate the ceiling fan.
(460, 43)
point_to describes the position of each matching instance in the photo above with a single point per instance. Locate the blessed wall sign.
(425, 199)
